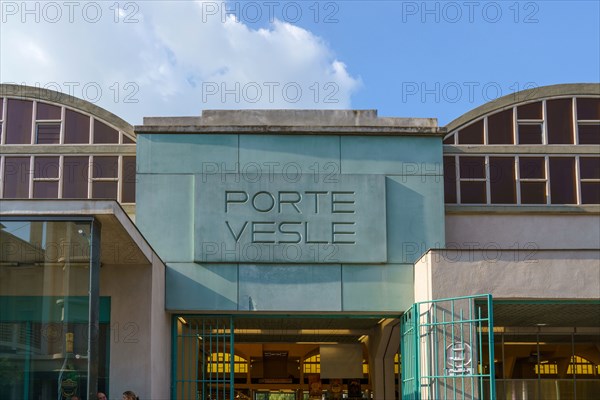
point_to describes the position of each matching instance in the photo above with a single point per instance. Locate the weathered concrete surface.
(292, 122)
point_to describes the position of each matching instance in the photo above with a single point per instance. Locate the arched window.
(581, 366)
(534, 148)
(58, 147)
(221, 363)
(312, 364)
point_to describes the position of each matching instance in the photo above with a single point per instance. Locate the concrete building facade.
(302, 254)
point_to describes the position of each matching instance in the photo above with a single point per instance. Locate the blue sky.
(404, 58)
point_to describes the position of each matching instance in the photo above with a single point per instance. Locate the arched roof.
(50, 96)
(522, 97)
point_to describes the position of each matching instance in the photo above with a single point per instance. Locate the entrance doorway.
(292, 357)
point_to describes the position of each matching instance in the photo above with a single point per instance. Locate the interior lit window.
(312, 365)
(221, 363)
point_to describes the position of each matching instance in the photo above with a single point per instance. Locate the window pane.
(589, 134)
(129, 179)
(533, 192)
(104, 190)
(530, 111)
(472, 167)
(45, 190)
(531, 168)
(530, 134)
(75, 177)
(104, 133)
(449, 180)
(48, 133)
(502, 180)
(589, 167)
(588, 108)
(105, 167)
(16, 177)
(560, 121)
(47, 111)
(562, 180)
(590, 192)
(472, 134)
(127, 140)
(77, 127)
(472, 193)
(46, 167)
(18, 121)
(1, 106)
(500, 128)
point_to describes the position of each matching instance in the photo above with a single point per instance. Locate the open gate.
(447, 349)
(203, 358)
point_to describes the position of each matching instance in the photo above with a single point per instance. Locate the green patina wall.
(380, 207)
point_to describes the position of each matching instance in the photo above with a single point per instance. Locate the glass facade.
(49, 318)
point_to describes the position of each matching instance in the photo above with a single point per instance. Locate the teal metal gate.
(203, 358)
(447, 349)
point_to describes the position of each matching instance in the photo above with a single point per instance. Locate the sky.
(436, 59)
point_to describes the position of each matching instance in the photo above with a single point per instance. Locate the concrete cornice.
(59, 98)
(292, 122)
(292, 130)
(589, 209)
(526, 96)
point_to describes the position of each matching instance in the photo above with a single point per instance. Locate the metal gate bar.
(442, 345)
(203, 358)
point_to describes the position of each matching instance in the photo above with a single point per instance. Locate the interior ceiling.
(557, 315)
(334, 329)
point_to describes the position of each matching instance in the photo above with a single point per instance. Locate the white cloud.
(172, 58)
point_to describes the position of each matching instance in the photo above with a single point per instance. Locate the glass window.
(562, 180)
(530, 111)
(532, 175)
(589, 133)
(75, 177)
(530, 133)
(560, 121)
(450, 179)
(77, 128)
(502, 180)
(312, 365)
(47, 111)
(128, 180)
(473, 192)
(46, 167)
(16, 177)
(104, 190)
(45, 177)
(44, 323)
(532, 168)
(589, 172)
(500, 128)
(472, 134)
(47, 133)
(18, 121)
(533, 192)
(589, 167)
(105, 167)
(104, 133)
(588, 108)
(472, 167)
(127, 140)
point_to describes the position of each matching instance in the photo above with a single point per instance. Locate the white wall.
(140, 333)
(508, 274)
(510, 230)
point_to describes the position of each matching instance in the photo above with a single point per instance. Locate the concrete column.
(383, 344)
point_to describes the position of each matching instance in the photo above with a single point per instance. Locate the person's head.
(101, 396)
(129, 395)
